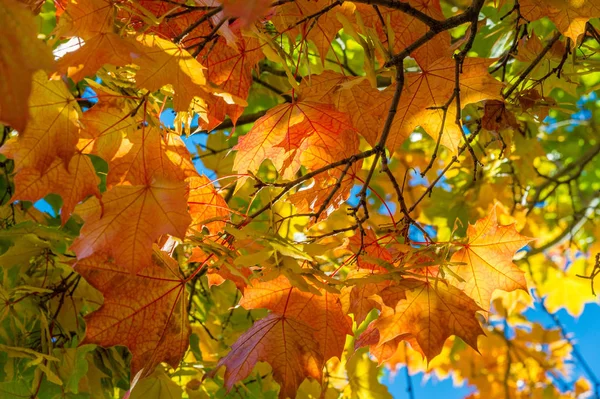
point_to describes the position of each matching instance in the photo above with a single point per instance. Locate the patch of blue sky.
(415, 234)
(587, 98)
(43, 206)
(388, 207)
(417, 180)
(424, 386)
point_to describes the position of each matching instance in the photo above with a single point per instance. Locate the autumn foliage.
(256, 198)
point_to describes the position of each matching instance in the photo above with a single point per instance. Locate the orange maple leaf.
(145, 312)
(487, 258)
(360, 299)
(150, 153)
(320, 31)
(286, 344)
(312, 197)
(570, 17)
(73, 184)
(129, 219)
(432, 88)
(367, 106)
(246, 11)
(174, 25)
(207, 207)
(322, 312)
(86, 19)
(52, 130)
(371, 337)
(230, 69)
(298, 134)
(104, 48)
(403, 29)
(431, 313)
(167, 63)
(106, 125)
(23, 54)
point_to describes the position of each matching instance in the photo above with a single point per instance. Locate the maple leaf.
(371, 337)
(291, 135)
(377, 254)
(230, 69)
(22, 54)
(104, 48)
(207, 207)
(285, 343)
(367, 106)
(361, 302)
(431, 313)
(166, 63)
(73, 184)
(86, 19)
(570, 17)
(171, 25)
(323, 313)
(320, 31)
(487, 258)
(433, 87)
(403, 29)
(106, 125)
(247, 11)
(129, 219)
(150, 153)
(322, 88)
(52, 130)
(312, 197)
(145, 312)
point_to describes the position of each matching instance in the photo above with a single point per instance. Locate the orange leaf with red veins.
(431, 313)
(23, 54)
(173, 26)
(106, 124)
(52, 130)
(487, 258)
(260, 143)
(86, 19)
(361, 300)
(150, 153)
(322, 88)
(370, 337)
(372, 247)
(330, 138)
(407, 29)
(286, 344)
(207, 207)
(293, 135)
(230, 69)
(367, 106)
(570, 17)
(73, 184)
(246, 11)
(321, 31)
(433, 88)
(104, 48)
(166, 63)
(311, 198)
(145, 312)
(323, 313)
(130, 219)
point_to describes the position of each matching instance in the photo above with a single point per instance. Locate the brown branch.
(533, 64)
